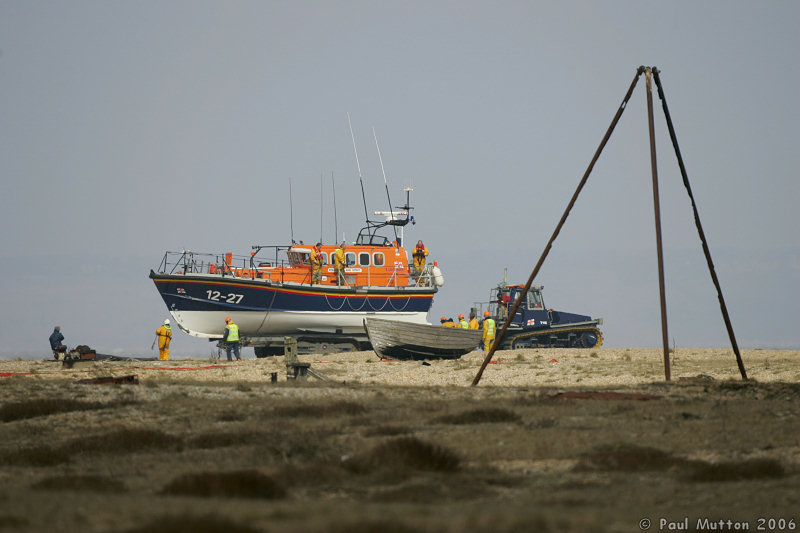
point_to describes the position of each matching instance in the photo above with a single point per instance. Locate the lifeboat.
(270, 293)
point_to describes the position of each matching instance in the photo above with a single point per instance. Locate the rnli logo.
(532, 322)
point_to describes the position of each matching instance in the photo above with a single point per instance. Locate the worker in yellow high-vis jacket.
(164, 334)
(231, 339)
(488, 331)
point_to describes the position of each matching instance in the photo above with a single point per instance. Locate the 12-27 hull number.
(230, 298)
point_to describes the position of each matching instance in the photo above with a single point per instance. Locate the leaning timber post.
(499, 338)
(657, 211)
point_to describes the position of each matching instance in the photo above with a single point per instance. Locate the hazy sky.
(132, 128)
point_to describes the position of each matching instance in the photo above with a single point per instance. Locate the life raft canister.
(438, 277)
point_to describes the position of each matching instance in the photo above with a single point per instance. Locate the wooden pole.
(657, 212)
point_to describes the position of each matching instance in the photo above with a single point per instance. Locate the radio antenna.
(385, 182)
(291, 212)
(360, 178)
(335, 221)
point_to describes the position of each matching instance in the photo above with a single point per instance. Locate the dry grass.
(224, 438)
(287, 446)
(10, 412)
(632, 458)
(125, 440)
(402, 447)
(628, 458)
(387, 431)
(332, 409)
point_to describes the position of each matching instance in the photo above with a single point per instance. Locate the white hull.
(259, 323)
(390, 338)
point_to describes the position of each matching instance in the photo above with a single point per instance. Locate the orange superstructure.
(366, 266)
(369, 266)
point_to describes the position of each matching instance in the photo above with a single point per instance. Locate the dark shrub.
(480, 416)
(239, 484)
(192, 524)
(737, 471)
(405, 453)
(84, 482)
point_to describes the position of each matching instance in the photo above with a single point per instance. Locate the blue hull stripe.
(184, 293)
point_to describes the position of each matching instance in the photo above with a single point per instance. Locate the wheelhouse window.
(299, 258)
(378, 259)
(363, 259)
(349, 258)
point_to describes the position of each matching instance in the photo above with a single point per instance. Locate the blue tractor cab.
(535, 326)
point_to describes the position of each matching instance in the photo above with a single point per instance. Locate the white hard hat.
(166, 321)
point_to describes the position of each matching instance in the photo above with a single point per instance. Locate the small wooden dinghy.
(405, 340)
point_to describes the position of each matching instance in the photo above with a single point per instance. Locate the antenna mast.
(335, 221)
(386, 183)
(360, 179)
(291, 212)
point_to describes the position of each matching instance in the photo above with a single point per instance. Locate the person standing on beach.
(447, 322)
(488, 331)
(164, 334)
(56, 338)
(231, 339)
(473, 321)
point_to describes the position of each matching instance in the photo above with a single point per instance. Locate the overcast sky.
(132, 128)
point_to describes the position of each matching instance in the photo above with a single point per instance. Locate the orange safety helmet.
(460, 317)
(486, 313)
(227, 319)
(444, 319)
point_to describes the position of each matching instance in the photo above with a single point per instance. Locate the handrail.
(188, 262)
